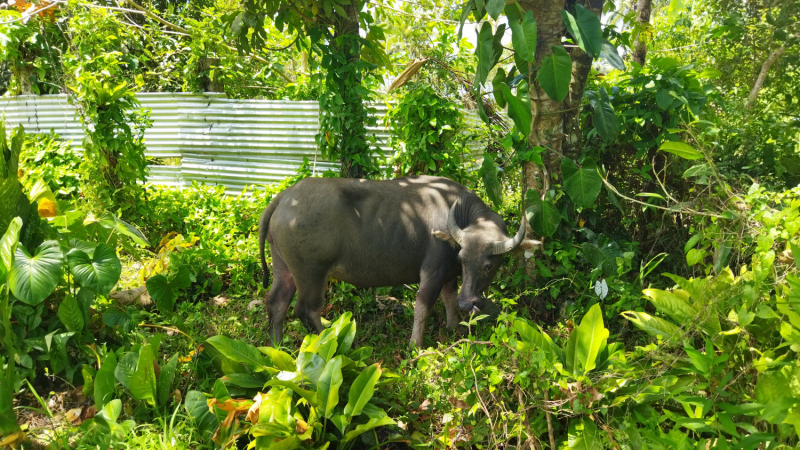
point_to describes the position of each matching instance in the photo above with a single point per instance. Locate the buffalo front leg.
(426, 297)
(279, 298)
(449, 296)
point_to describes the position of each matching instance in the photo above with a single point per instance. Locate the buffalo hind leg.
(426, 297)
(279, 297)
(310, 301)
(449, 296)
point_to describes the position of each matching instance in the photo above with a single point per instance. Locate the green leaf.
(99, 273)
(583, 434)
(362, 389)
(484, 52)
(652, 325)
(518, 109)
(126, 369)
(32, 279)
(604, 258)
(582, 184)
(535, 338)
(159, 288)
(585, 28)
(543, 216)
(679, 148)
(592, 336)
(310, 366)
(555, 74)
(8, 244)
(143, 383)
(371, 424)
(280, 359)
(663, 99)
(489, 174)
(165, 379)
(308, 395)
(70, 314)
(499, 79)
(104, 381)
(197, 407)
(609, 53)
(495, 7)
(328, 387)
(604, 118)
(240, 352)
(677, 308)
(523, 36)
(572, 362)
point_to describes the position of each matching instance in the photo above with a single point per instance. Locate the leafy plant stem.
(483, 404)
(549, 420)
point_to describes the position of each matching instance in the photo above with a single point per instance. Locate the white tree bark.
(762, 76)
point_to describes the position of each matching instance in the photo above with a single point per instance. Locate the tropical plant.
(319, 397)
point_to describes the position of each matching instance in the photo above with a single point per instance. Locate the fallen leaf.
(219, 300)
(252, 413)
(90, 412)
(177, 396)
(13, 439)
(402, 425)
(458, 403)
(425, 405)
(300, 426)
(73, 414)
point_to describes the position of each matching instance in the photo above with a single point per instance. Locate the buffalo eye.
(488, 267)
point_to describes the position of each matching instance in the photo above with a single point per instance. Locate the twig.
(168, 329)
(682, 209)
(31, 14)
(549, 422)
(480, 399)
(159, 19)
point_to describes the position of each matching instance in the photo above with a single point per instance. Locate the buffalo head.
(480, 247)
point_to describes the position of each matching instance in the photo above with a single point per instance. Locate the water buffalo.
(419, 229)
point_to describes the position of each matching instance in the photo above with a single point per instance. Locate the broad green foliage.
(554, 75)
(429, 136)
(330, 378)
(584, 26)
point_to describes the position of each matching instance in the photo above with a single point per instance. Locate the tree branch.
(763, 75)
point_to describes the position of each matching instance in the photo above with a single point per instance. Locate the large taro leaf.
(555, 74)
(143, 383)
(100, 272)
(523, 35)
(70, 314)
(8, 244)
(604, 257)
(165, 379)
(104, 381)
(582, 184)
(585, 27)
(240, 352)
(592, 336)
(33, 278)
(543, 215)
(484, 51)
(362, 389)
(583, 435)
(604, 118)
(519, 108)
(328, 387)
(197, 407)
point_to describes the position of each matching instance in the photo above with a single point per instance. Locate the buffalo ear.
(530, 244)
(526, 248)
(444, 236)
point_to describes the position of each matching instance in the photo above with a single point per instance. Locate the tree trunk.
(581, 67)
(208, 83)
(352, 141)
(22, 72)
(762, 76)
(640, 43)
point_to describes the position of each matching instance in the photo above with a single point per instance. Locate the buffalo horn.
(452, 226)
(511, 243)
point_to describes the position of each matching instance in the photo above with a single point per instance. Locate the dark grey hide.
(425, 230)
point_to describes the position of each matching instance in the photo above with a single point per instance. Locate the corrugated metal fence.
(219, 141)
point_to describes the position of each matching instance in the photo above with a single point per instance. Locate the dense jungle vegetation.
(652, 145)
